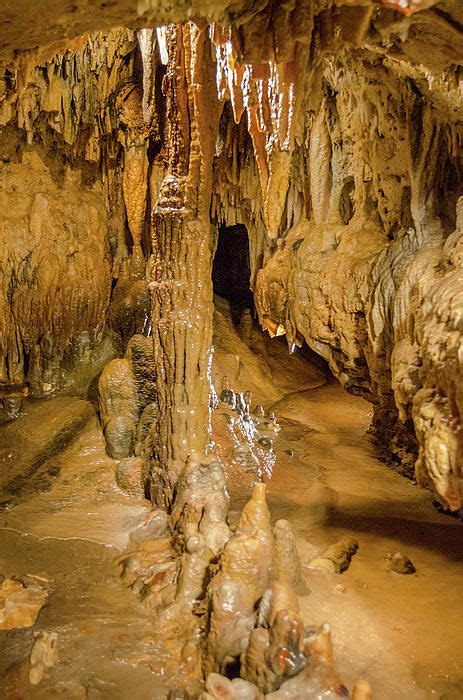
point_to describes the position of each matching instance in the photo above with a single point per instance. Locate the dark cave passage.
(232, 270)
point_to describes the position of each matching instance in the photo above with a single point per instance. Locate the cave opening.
(231, 269)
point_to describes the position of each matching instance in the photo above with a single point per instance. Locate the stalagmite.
(201, 486)
(44, 655)
(287, 563)
(181, 273)
(131, 477)
(140, 358)
(362, 690)
(195, 561)
(234, 593)
(256, 515)
(119, 408)
(278, 597)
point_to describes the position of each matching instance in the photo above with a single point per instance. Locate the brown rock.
(130, 476)
(337, 557)
(401, 564)
(20, 604)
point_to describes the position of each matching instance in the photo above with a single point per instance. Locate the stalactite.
(135, 133)
(268, 93)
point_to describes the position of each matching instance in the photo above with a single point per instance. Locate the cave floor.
(68, 521)
(67, 524)
(402, 632)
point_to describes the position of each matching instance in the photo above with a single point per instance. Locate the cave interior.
(231, 349)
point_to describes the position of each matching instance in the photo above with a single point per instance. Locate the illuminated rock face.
(331, 133)
(368, 273)
(62, 233)
(51, 289)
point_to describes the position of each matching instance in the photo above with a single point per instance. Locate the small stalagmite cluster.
(224, 602)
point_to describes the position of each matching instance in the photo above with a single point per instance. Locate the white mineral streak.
(162, 42)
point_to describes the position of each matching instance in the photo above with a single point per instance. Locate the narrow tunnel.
(231, 271)
(190, 506)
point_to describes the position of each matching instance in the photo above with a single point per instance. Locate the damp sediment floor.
(68, 521)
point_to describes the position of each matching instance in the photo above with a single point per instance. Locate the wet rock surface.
(324, 489)
(105, 632)
(31, 446)
(70, 534)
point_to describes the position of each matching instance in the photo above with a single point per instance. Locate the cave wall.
(63, 233)
(369, 275)
(52, 290)
(360, 256)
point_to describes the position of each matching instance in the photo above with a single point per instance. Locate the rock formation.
(359, 274)
(20, 602)
(331, 132)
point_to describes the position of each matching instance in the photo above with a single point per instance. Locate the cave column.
(181, 273)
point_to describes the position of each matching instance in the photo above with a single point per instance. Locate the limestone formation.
(287, 563)
(181, 271)
(130, 308)
(150, 568)
(336, 179)
(337, 557)
(140, 357)
(143, 435)
(211, 605)
(44, 655)
(278, 597)
(154, 524)
(401, 564)
(218, 686)
(128, 405)
(201, 487)
(274, 656)
(362, 690)
(233, 594)
(118, 392)
(130, 476)
(118, 407)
